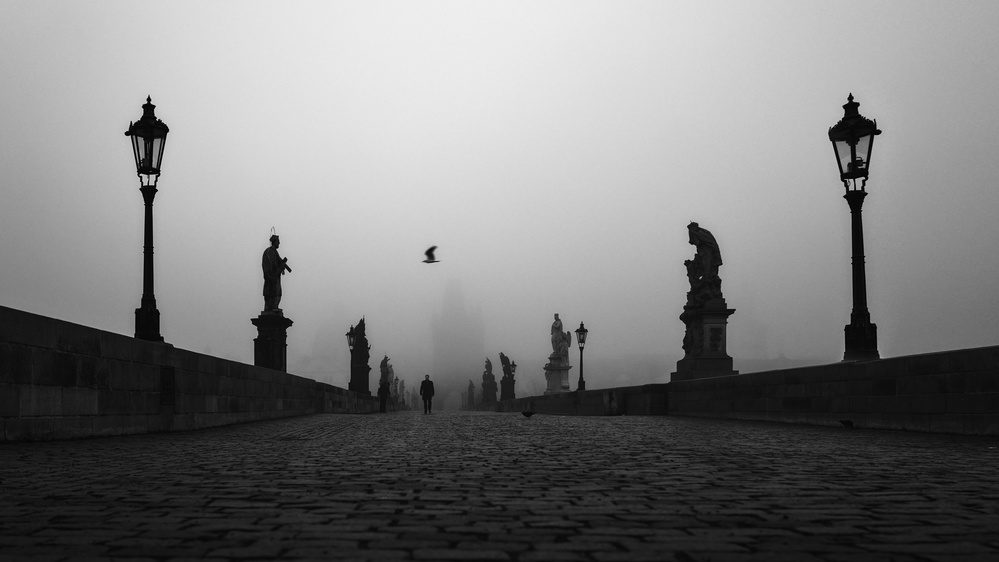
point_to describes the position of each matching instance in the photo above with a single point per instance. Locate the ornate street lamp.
(853, 143)
(351, 338)
(581, 340)
(148, 139)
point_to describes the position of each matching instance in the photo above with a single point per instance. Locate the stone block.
(929, 363)
(107, 425)
(24, 328)
(883, 387)
(79, 401)
(89, 373)
(10, 401)
(861, 404)
(947, 423)
(983, 381)
(77, 339)
(919, 384)
(905, 421)
(796, 404)
(73, 427)
(38, 400)
(53, 368)
(977, 359)
(927, 403)
(117, 347)
(118, 402)
(29, 429)
(967, 403)
(891, 404)
(15, 363)
(134, 424)
(889, 368)
(858, 387)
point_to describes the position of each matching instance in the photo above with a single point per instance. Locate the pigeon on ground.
(430, 255)
(527, 414)
(847, 423)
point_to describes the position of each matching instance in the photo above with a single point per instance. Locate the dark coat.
(427, 389)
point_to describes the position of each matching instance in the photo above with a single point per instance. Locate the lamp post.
(351, 338)
(148, 139)
(853, 142)
(581, 340)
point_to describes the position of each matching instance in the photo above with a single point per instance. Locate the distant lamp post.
(148, 139)
(351, 338)
(853, 143)
(581, 340)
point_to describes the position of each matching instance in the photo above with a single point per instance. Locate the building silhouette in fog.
(458, 346)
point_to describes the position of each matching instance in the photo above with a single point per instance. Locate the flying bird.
(430, 255)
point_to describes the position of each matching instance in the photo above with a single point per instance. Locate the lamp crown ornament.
(853, 141)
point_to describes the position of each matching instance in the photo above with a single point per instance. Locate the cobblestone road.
(481, 486)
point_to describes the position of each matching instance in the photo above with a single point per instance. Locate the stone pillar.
(705, 342)
(557, 374)
(270, 347)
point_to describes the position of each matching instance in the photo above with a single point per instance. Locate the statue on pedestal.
(384, 384)
(488, 383)
(557, 368)
(705, 316)
(274, 267)
(507, 382)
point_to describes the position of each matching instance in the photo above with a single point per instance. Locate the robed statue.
(274, 267)
(702, 270)
(561, 341)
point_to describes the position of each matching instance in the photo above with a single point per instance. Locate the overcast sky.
(554, 151)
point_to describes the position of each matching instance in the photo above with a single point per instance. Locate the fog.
(553, 151)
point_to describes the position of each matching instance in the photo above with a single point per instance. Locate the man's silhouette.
(427, 392)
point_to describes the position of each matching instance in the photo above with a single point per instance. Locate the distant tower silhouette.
(458, 342)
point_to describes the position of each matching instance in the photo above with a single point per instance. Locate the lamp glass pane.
(843, 156)
(862, 155)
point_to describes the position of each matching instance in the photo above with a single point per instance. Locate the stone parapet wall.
(945, 392)
(649, 399)
(60, 380)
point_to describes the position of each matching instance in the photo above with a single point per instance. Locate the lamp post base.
(147, 324)
(861, 339)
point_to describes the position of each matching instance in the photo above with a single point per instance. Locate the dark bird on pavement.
(527, 414)
(430, 255)
(847, 423)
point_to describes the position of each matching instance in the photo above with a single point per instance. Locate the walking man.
(427, 392)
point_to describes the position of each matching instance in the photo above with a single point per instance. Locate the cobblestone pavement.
(484, 486)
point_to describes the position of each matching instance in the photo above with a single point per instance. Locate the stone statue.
(386, 375)
(471, 395)
(274, 267)
(560, 340)
(507, 382)
(488, 383)
(702, 271)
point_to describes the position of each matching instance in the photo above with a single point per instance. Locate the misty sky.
(554, 151)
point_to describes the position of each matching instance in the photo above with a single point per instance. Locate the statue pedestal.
(270, 347)
(557, 374)
(704, 342)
